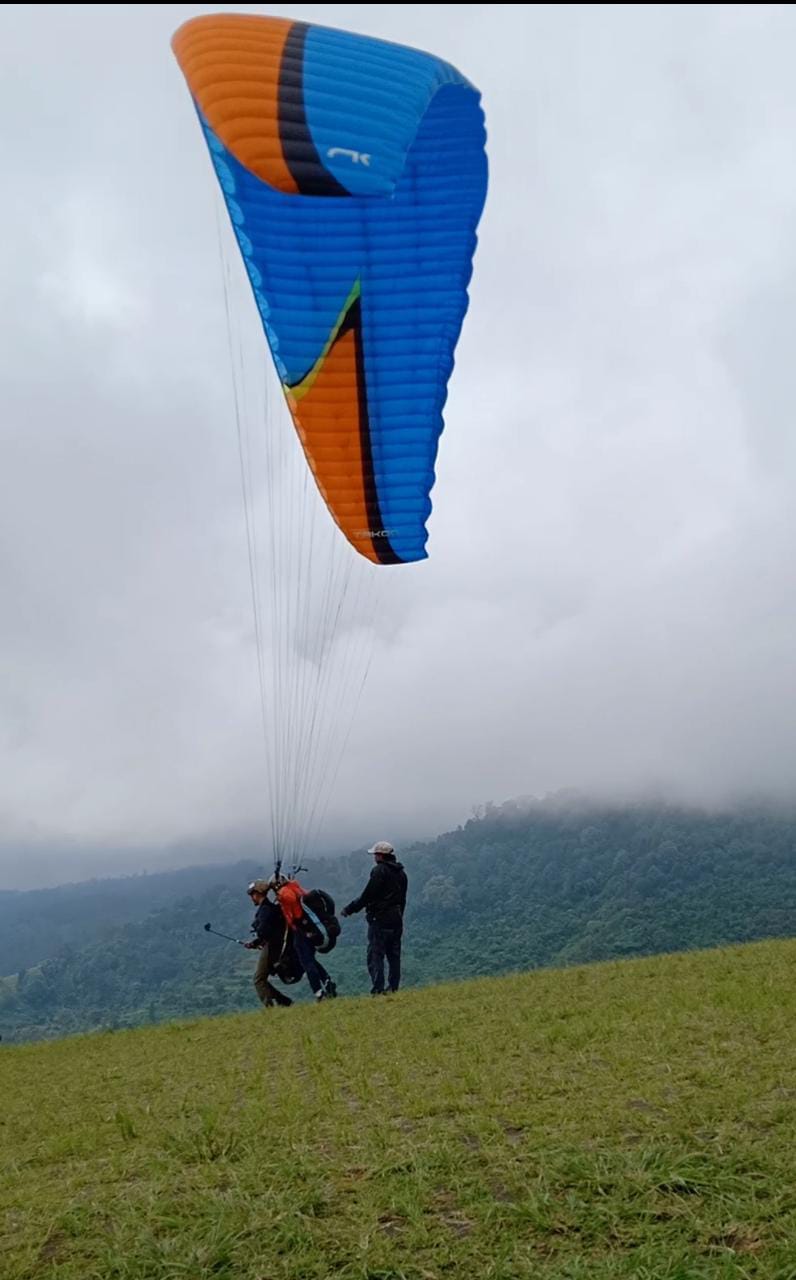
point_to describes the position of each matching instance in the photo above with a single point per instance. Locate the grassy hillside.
(632, 1119)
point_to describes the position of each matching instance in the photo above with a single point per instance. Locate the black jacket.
(384, 896)
(268, 926)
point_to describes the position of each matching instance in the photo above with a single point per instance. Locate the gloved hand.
(251, 946)
(345, 912)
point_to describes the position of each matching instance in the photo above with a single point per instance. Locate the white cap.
(382, 846)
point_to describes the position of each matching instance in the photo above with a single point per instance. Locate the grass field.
(623, 1120)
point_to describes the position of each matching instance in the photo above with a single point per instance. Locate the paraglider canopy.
(354, 173)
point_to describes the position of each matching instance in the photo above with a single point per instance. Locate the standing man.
(384, 899)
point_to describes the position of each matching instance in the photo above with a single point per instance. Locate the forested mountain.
(521, 885)
(37, 924)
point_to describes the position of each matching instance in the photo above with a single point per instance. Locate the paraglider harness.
(318, 922)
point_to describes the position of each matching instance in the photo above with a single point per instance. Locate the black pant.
(384, 943)
(317, 976)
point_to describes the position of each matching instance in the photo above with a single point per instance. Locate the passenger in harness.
(305, 934)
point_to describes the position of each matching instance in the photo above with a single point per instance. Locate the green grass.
(635, 1120)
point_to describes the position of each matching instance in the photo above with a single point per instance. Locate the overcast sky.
(609, 604)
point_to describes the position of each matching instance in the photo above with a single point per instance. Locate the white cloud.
(609, 602)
